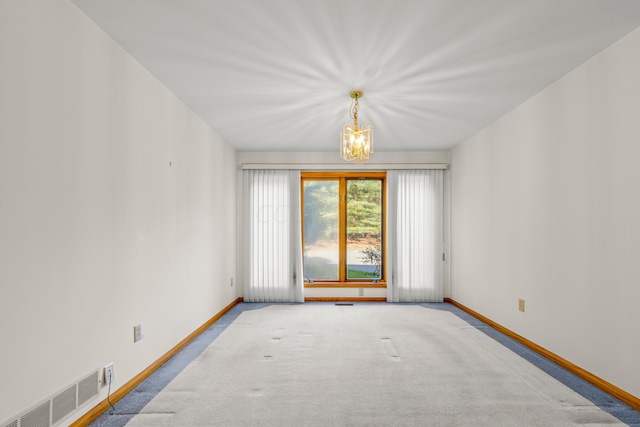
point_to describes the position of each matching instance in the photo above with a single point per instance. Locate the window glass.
(364, 228)
(343, 227)
(321, 227)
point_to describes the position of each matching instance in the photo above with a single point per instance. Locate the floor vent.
(51, 411)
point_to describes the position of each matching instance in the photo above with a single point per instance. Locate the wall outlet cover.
(109, 374)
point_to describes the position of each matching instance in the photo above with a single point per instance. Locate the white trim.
(344, 166)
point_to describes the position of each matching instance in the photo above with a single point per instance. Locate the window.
(343, 228)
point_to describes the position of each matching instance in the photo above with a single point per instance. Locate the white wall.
(117, 208)
(546, 207)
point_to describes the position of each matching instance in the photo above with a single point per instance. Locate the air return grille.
(38, 417)
(60, 405)
(63, 404)
(88, 387)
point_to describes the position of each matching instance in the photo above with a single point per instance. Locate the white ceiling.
(275, 75)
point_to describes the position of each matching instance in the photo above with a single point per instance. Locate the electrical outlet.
(231, 281)
(521, 305)
(109, 375)
(137, 333)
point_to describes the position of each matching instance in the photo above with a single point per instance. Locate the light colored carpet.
(362, 365)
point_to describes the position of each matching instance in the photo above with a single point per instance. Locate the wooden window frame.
(342, 178)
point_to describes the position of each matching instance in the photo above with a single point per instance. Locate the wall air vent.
(88, 388)
(37, 417)
(63, 404)
(58, 406)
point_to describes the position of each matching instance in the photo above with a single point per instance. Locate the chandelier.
(356, 143)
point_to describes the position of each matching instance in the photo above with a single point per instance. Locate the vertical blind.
(272, 236)
(415, 233)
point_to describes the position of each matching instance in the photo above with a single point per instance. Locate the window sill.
(350, 284)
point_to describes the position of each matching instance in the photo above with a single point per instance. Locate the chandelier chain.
(354, 110)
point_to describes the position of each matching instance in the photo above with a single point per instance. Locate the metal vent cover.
(37, 417)
(55, 408)
(88, 387)
(63, 404)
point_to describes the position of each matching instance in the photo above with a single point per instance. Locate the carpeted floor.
(361, 365)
